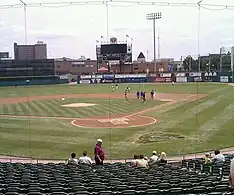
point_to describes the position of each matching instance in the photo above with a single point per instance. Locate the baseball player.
(152, 94)
(138, 95)
(126, 95)
(144, 96)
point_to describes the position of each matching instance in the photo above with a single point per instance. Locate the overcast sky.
(72, 31)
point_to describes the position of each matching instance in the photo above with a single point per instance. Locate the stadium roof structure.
(141, 55)
(102, 69)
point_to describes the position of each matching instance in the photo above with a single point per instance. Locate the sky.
(72, 31)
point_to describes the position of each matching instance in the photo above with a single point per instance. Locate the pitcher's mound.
(77, 105)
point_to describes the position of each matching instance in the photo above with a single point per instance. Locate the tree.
(190, 63)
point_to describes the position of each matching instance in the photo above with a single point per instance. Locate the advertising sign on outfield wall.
(85, 82)
(166, 75)
(85, 76)
(122, 76)
(181, 74)
(96, 81)
(181, 79)
(107, 81)
(108, 76)
(195, 74)
(224, 79)
(97, 76)
(162, 80)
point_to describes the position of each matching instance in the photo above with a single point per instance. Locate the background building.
(4, 55)
(16, 68)
(75, 67)
(30, 52)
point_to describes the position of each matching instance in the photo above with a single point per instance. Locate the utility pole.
(198, 34)
(25, 21)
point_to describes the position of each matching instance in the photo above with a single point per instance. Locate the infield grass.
(204, 124)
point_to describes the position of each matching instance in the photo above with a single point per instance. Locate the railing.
(171, 159)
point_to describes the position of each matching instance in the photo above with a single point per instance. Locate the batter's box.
(115, 121)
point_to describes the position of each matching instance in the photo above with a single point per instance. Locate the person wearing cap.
(99, 154)
(153, 159)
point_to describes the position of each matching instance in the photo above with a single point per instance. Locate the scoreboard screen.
(113, 49)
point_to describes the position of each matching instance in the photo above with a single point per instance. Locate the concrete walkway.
(44, 161)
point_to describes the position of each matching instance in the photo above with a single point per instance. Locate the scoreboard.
(114, 52)
(113, 49)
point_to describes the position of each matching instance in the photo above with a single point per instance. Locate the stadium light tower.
(25, 21)
(128, 37)
(154, 16)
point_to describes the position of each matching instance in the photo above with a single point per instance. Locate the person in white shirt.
(218, 157)
(142, 162)
(85, 159)
(73, 159)
(153, 159)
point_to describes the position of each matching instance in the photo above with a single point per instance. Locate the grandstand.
(190, 112)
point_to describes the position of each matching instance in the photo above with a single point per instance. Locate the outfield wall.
(24, 81)
(224, 77)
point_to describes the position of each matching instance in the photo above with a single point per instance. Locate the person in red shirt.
(99, 154)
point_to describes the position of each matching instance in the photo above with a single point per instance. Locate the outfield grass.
(204, 124)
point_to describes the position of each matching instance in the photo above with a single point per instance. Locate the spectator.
(163, 158)
(208, 158)
(85, 159)
(141, 162)
(218, 157)
(153, 159)
(231, 176)
(134, 162)
(73, 159)
(99, 154)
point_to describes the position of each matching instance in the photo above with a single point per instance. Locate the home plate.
(122, 122)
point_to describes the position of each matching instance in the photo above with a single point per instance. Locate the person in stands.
(153, 159)
(208, 158)
(134, 161)
(163, 158)
(73, 159)
(141, 162)
(218, 157)
(231, 176)
(85, 159)
(99, 154)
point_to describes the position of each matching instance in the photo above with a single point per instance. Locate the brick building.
(140, 67)
(30, 52)
(75, 67)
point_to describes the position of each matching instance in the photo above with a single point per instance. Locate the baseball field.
(53, 121)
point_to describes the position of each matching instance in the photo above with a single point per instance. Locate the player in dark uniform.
(142, 93)
(152, 94)
(138, 95)
(126, 95)
(144, 96)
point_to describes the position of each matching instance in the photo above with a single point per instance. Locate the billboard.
(224, 79)
(162, 80)
(181, 79)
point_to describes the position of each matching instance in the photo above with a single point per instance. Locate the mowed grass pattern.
(205, 124)
(54, 108)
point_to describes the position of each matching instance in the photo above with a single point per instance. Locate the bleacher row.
(192, 177)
